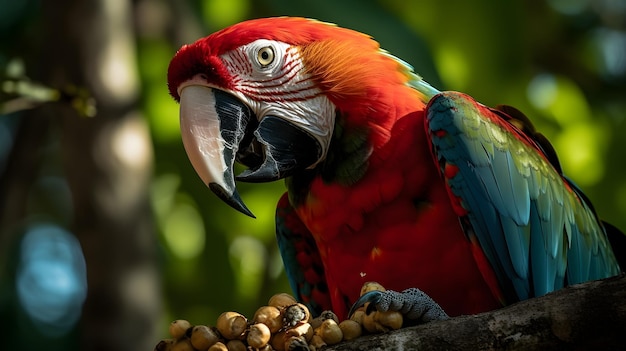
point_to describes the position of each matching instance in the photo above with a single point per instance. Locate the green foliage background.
(562, 62)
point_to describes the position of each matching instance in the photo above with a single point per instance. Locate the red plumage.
(379, 204)
(396, 226)
(376, 228)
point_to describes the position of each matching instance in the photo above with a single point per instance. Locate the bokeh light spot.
(248, 257)
(542, 90)
(579, 146)
(453, 67)
(51, 278)
(560, 98)
(612, 51)
(569, 7)
(222, 13)
(184, 231)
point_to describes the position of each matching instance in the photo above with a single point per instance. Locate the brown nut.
(371, 286)
(165, 345)
(391, 320)
(182, 345)
(295, 314)
(218, 346)
(317, 321)
(236, 345)
(270, 316)
(382, 322)
(357, 316)
(329, 315)
(300, 330)
(296, 343)
(350, 329)
(330, 332)
(231, 325)
(178, 328)
(258, 335)
(316, 342)
(202, 337)
(369, 323)
(278, 340)
(282, 300)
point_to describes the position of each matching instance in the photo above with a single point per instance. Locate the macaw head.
(266, 93)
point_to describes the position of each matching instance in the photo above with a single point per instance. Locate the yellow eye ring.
(265, 56)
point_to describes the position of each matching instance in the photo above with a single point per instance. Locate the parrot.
(454, 207)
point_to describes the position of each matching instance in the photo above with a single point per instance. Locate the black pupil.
(265, 55)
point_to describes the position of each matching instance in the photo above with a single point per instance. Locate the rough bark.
(590, 316)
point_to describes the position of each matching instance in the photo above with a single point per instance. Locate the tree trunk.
(107, 160)
(590, 316)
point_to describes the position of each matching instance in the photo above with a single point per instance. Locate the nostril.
(204, 76)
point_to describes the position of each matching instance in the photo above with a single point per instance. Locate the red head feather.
(339, 59)
(202, 56)
(348, 66)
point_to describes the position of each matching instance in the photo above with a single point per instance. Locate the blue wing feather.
(301, 259)
(536, 229)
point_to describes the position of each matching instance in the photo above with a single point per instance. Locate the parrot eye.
(265, 56)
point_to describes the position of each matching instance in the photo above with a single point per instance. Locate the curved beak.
(218, 129)
(212, 125)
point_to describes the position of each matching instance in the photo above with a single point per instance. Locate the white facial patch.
(280, 87)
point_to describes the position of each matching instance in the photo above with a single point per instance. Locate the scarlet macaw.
(388, 179)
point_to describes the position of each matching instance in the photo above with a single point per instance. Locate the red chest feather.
(396, 226)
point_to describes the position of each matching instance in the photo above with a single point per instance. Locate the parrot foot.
(412, 303)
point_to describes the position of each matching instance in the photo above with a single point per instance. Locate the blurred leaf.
(581, 148)
(371, 18)
(161, 109)
(183, 230)
(221, 13)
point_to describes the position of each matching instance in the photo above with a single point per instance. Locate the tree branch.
(589, 316)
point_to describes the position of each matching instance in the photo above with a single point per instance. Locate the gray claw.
(413, 303)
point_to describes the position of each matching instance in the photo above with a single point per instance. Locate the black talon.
(373, 297)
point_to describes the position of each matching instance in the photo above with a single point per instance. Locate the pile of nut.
(284, 324)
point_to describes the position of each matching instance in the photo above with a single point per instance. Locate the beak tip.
(233, 200)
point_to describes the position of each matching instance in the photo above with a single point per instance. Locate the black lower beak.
(286, 149)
